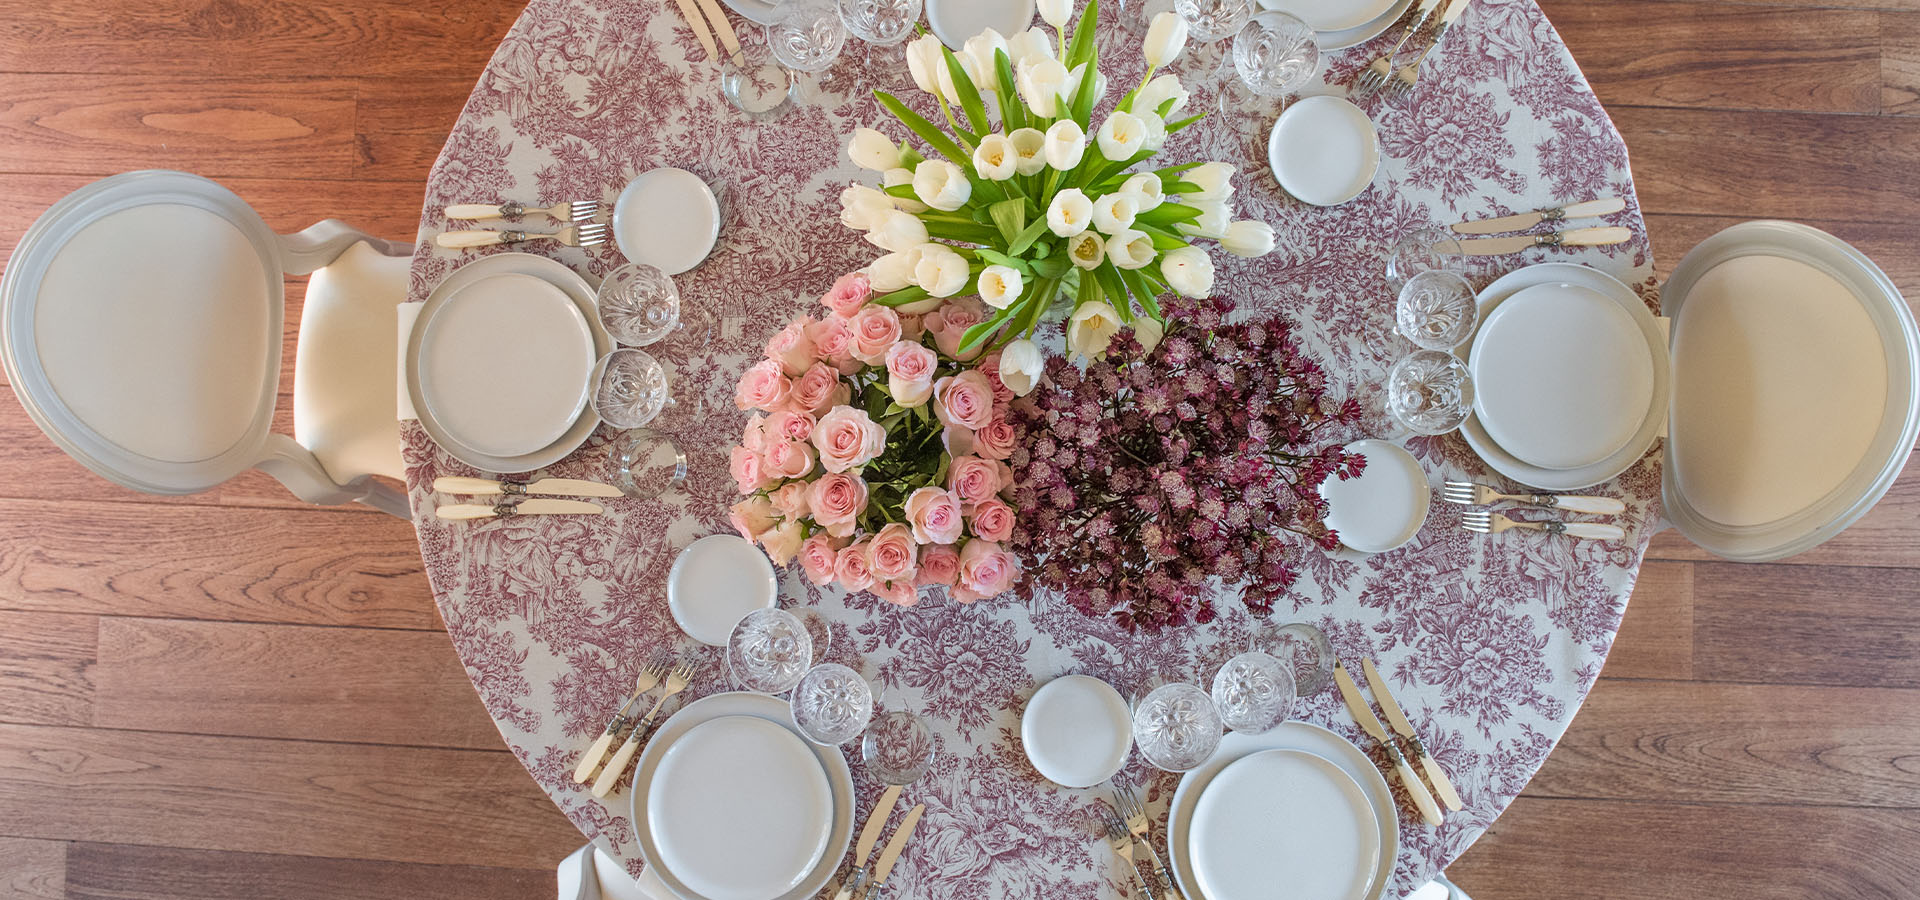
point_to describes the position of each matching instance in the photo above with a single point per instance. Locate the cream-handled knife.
(895, 844)
(1370, 723)
(869, 836)
(1442, 785)
(724, 28)
(561, 487)
(699, 26)
(1579, 237)
(535, 507)
(1526, 220)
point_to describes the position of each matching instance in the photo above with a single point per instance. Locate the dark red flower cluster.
(1148, 478)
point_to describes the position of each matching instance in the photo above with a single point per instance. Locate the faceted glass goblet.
(647, 463)
(1436, 310)
(630, 388)
(1425, 249)
(638, 304)
(769, 651)
(1275, 54)
(832, 704)
(883, 22)
(1254, 692)
(1176, 727)
(1429, 392)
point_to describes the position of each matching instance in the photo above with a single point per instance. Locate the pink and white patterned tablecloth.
(1490, 644)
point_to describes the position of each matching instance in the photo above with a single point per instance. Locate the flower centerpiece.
(1154, 474)
(1027, 201)
(876, 457)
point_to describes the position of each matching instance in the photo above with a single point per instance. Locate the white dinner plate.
(956, 20)
(1349, 37)
(666, 218)
(740, 809)
(1289, 736)
(761, 12)
(1076, 731)
(1327, 16)
(504, 364)
(1324, 150)
(775, 711)
(714, 582)
(1284, 817)
(1382, 508)
(1531, 475)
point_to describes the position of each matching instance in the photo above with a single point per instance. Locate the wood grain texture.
(1807, 625)
(354, 801)
(1656, 635)
(1900, 65)
(32, 869)
(44, 668)
(133, 872)
(323, 684)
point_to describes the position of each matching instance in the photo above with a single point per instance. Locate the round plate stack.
(1343, 23)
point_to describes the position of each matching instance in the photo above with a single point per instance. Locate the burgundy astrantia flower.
(1149, 476)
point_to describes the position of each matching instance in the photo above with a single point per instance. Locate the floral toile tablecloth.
(1491, 644)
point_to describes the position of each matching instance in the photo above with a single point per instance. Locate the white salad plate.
(761, 12)
(1324, 150)
(953, 21)
(502, 351)
(1284, 817)
(506, 403)
(1076, 731)
(1654, 419)
(734, 784)
(666, 218)
(1299, 736)
(745, 816)
(1341, 39)
(1562, 376)
(714, 582)
(1383, 507)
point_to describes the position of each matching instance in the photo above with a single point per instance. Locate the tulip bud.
(1121, 136)
(1166, 37)
(1087, 249)
(1114, 212)
(870, 149)
(996, 159)
(1056, 12)
(1188, 270)
(1020, 366)
(1066, 145)
(1247, 238)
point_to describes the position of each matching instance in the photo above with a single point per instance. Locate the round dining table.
(1489, 642)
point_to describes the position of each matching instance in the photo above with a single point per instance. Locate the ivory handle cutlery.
(1468, 493)
(699, 26)
(537, 507)
(574, 211)
(1485, 522)
(895, 845)
(1579, 237)
(1526, 220)
(869, 836)
(590, 760)
(573, 236)
(1442, 785)
(564, 487)
(677, 681)
(1370, 723)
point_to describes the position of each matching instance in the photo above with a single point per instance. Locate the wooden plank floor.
(234, 695)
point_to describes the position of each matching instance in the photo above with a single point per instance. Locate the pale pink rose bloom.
(787, 459)
(848, 438)
(752, 517)
(993, 521)
(854, 567)
(875, 329)
(989, 366)
(892, 552)
(912, 328)
(792, 348)
(910, 369)
(899, 593)
(939, 564)
(813, 392)
(819, 553)
(764, 386)
(790, 425)
(837, 500)
(790, 500)
(755, 436)
(997, 440)
(949, 324)
(958, 441)
(974, 479)
(848, 294)
(934, 515)
(986, 570)
(749, 470)
(833, 344)
(782, 542)
(965, 400)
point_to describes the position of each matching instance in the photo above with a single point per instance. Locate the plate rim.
(424, 326)
(1373, 842)
(677, 173)
(1386, 7)
(1373, 137)
(1354, 37)
(1028, 5)
(1119, 760)
(673, 574)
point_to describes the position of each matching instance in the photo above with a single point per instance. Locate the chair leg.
(388, 499)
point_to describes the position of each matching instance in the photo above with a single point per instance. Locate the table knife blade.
(869, 835)
(1526, 220)
(1363, 713)
(1579, 237)
(1357, 705)
(896, 844)
(1442, 785)
(563, 487)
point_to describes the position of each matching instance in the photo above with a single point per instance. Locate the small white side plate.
(1076, 731)
(668, 219)
(714, 582)
(1284, 817)
(956, 20)
(1385, 506)
(1324, 150)
(504, 364)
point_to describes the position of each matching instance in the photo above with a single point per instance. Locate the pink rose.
(817, 390)
(989, 366)
(997, 440)
(847, 438)
(755, 436)
(898, 593)
(752, 517)
(934, 515)
(986, 570)
(974, 479)
(949, 324)
(892, 552)
(939, 564)
(965, 400)
(749, 471)
(910, 369)
(818, 555)
(875, 329)
(792, 348)
(789, 425)
(790, 500)
(787, 459)
(993, 520)
(836, 501)
(912, 328)
(764, 386)
(833, 344)
(848, 294)
(854, 567)
(782, 543)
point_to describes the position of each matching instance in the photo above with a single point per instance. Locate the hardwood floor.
(236, 695)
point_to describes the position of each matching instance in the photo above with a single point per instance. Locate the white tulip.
(1066, 145)
(898, 232)
(1087, 249)
(925, 63)
(1042, 83)
(1070, 213)
(947, 88)
(1089, 331)
(1215, 180)
(1120, 136)
(1031, 146)
(941, 185)
(996, 159)
(1129, 249)
(1213, 221)
(1000, 286)
(870, 149)
(1020, 366)
(896, 178)
(1099, 82)
(940, 271)
(1155, 129)
(1247, 238)
(892, 272)
(862, 207)
(1156, 94)
(1166, 37)
(980, 50)
(1148, 331)
(1114, 213)
(1188, 270)
(1056, 12)
(1147, 188)
(1031, 44)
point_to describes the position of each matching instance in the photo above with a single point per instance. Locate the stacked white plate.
(1340, 24)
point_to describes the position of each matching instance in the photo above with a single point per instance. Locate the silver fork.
(677, 681)
(573, 211)
(1483, 521)
(1122, 843)
(1136, 815)
(573, 236)
(1467, 493)
(1409, 74)
(1375, 75)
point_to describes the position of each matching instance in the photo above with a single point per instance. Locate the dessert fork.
(677, 681)
(1468, 493)
(1485, 522)
(1122, 843)
(1375, 75)
(590, 760)
(1137, 824)
(572, 236)
(575, 211)
(1409, 74)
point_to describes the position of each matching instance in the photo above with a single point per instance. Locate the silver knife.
(1526, 220)
(895, 844)
(1579, 237)
(1442, 785)
(535, 507)
(563, 487)
(1370, 723)
(869, 835)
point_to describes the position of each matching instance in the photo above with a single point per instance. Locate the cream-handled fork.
(1486, 522)
(1375, 75)
(1468, 493)
(1122, 843)
(574, 211)
(573, 236)
(1409, 74)
(1136, 816)
(610, 776)
(590, 760)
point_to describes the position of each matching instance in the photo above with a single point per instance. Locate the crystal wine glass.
(1176, 727)
(1209, 24)
(832, 704)
(882, 22)
(1429, 392)
(1425, 249)
(897, 747)
(638, 304)
(1436, 310)
(647, 463)
(753, 80)
(1254, 692)
(630, 388)
(769, 651)
(1274, 55)
(807, 41)
(1307, 653)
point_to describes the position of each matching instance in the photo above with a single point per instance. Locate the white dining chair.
(140, 326)
(592, 875)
